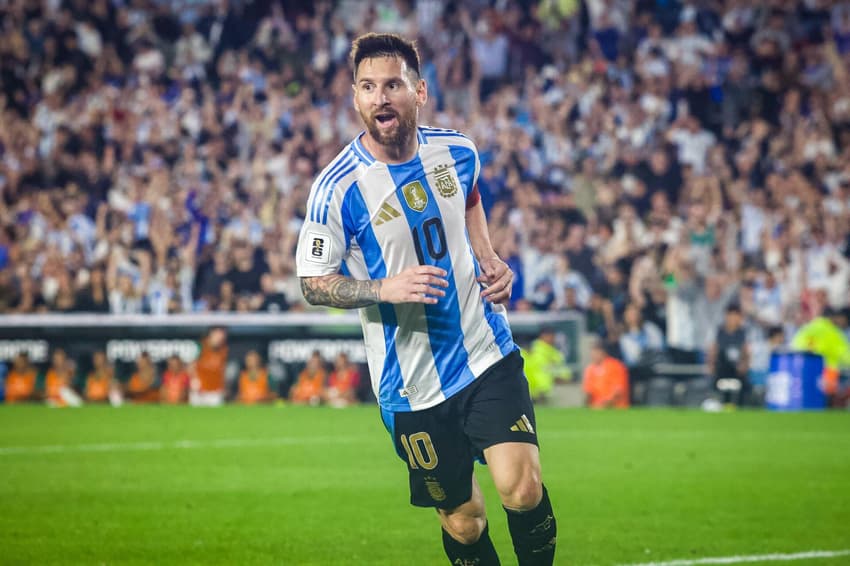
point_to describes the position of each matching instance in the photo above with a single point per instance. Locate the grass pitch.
(300, 486)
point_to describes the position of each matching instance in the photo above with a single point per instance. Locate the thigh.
(515, 468)
(438, 455)
(500, 410)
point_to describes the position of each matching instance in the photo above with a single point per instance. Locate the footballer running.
(395, 227)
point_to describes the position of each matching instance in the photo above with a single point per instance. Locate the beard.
(399, 136)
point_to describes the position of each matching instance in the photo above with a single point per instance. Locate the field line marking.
(175, 445)
(776, 557)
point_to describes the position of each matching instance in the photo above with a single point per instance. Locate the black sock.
(480, 553)
(534, 533)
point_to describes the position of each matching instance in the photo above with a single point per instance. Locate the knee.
(464, 528)
(524, 494)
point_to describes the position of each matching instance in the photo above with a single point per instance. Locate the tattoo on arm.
(340, 291)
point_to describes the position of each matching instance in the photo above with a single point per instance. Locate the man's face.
(597, 355)
(217, 338)
(733, 319)
(387, 96)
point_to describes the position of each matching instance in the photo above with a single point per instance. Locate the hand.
(417, 284)
(498, 278)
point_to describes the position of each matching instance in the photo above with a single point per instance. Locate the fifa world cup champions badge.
(415, 196)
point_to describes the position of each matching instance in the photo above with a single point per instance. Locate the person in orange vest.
(342, 383)
(142, 386)
(20, 381)
(606, 380)
(311, 381)
(58, 381)
(175, 382)
(100, 381)
(254, 381)
(207, 383)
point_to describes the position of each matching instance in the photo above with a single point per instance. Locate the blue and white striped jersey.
(372, 220)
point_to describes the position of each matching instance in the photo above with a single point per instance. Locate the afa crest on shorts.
(415, 196)
(446, 185)
(435, 490)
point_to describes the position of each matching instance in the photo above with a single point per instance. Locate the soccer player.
(395, 227)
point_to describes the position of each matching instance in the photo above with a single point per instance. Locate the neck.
(394, 154)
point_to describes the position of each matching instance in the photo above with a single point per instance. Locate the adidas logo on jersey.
(523, 425)
(387, 213)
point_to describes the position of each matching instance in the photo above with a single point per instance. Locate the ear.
(421, 93)
(354, 98)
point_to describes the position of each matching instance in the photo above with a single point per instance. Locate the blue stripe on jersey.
(444, 325)
(501, 330)
(364, 155)
(326, 175)
(358, 215)
(330, 191)
(465, 167)
(443, 135)
(426, 129)
(326, 182)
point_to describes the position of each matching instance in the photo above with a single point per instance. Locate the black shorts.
(441, 444)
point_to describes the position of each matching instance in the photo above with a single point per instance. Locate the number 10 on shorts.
(420, 451)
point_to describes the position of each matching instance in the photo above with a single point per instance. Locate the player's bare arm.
(496, 274)
(340, 291)
(417, 284)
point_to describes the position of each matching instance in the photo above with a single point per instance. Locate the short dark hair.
(371, 45)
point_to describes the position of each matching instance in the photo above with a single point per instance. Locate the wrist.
(378, 286)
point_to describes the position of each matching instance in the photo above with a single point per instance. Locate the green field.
(285, 485)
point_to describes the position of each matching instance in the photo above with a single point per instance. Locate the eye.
(393, 85)
(367, 87)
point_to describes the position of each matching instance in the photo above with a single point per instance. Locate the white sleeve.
(321, 243)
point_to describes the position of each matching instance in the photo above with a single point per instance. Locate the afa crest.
(415, 196)
(446, 185)
(435, 490)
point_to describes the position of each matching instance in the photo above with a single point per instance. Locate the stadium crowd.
(645, 163)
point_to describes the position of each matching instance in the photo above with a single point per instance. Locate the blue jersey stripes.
(373, 220)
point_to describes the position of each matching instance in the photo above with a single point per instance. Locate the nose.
(381, 98)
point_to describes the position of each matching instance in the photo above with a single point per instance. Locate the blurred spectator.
(93, 296)
(606, 380)
(311, 382)
(59, 381)
(207, 383)
(21, 380)
(100, 381)
(545, 364)
(254, 384)
(341, 390)
(143, 385)
(685, 304)
(729, 359)
(639, 341)
(175, 382)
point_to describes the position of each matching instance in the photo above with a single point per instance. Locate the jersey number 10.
(434, 237)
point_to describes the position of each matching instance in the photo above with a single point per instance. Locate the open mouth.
(386, 119)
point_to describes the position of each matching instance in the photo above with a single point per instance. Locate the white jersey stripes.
(370, 220)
